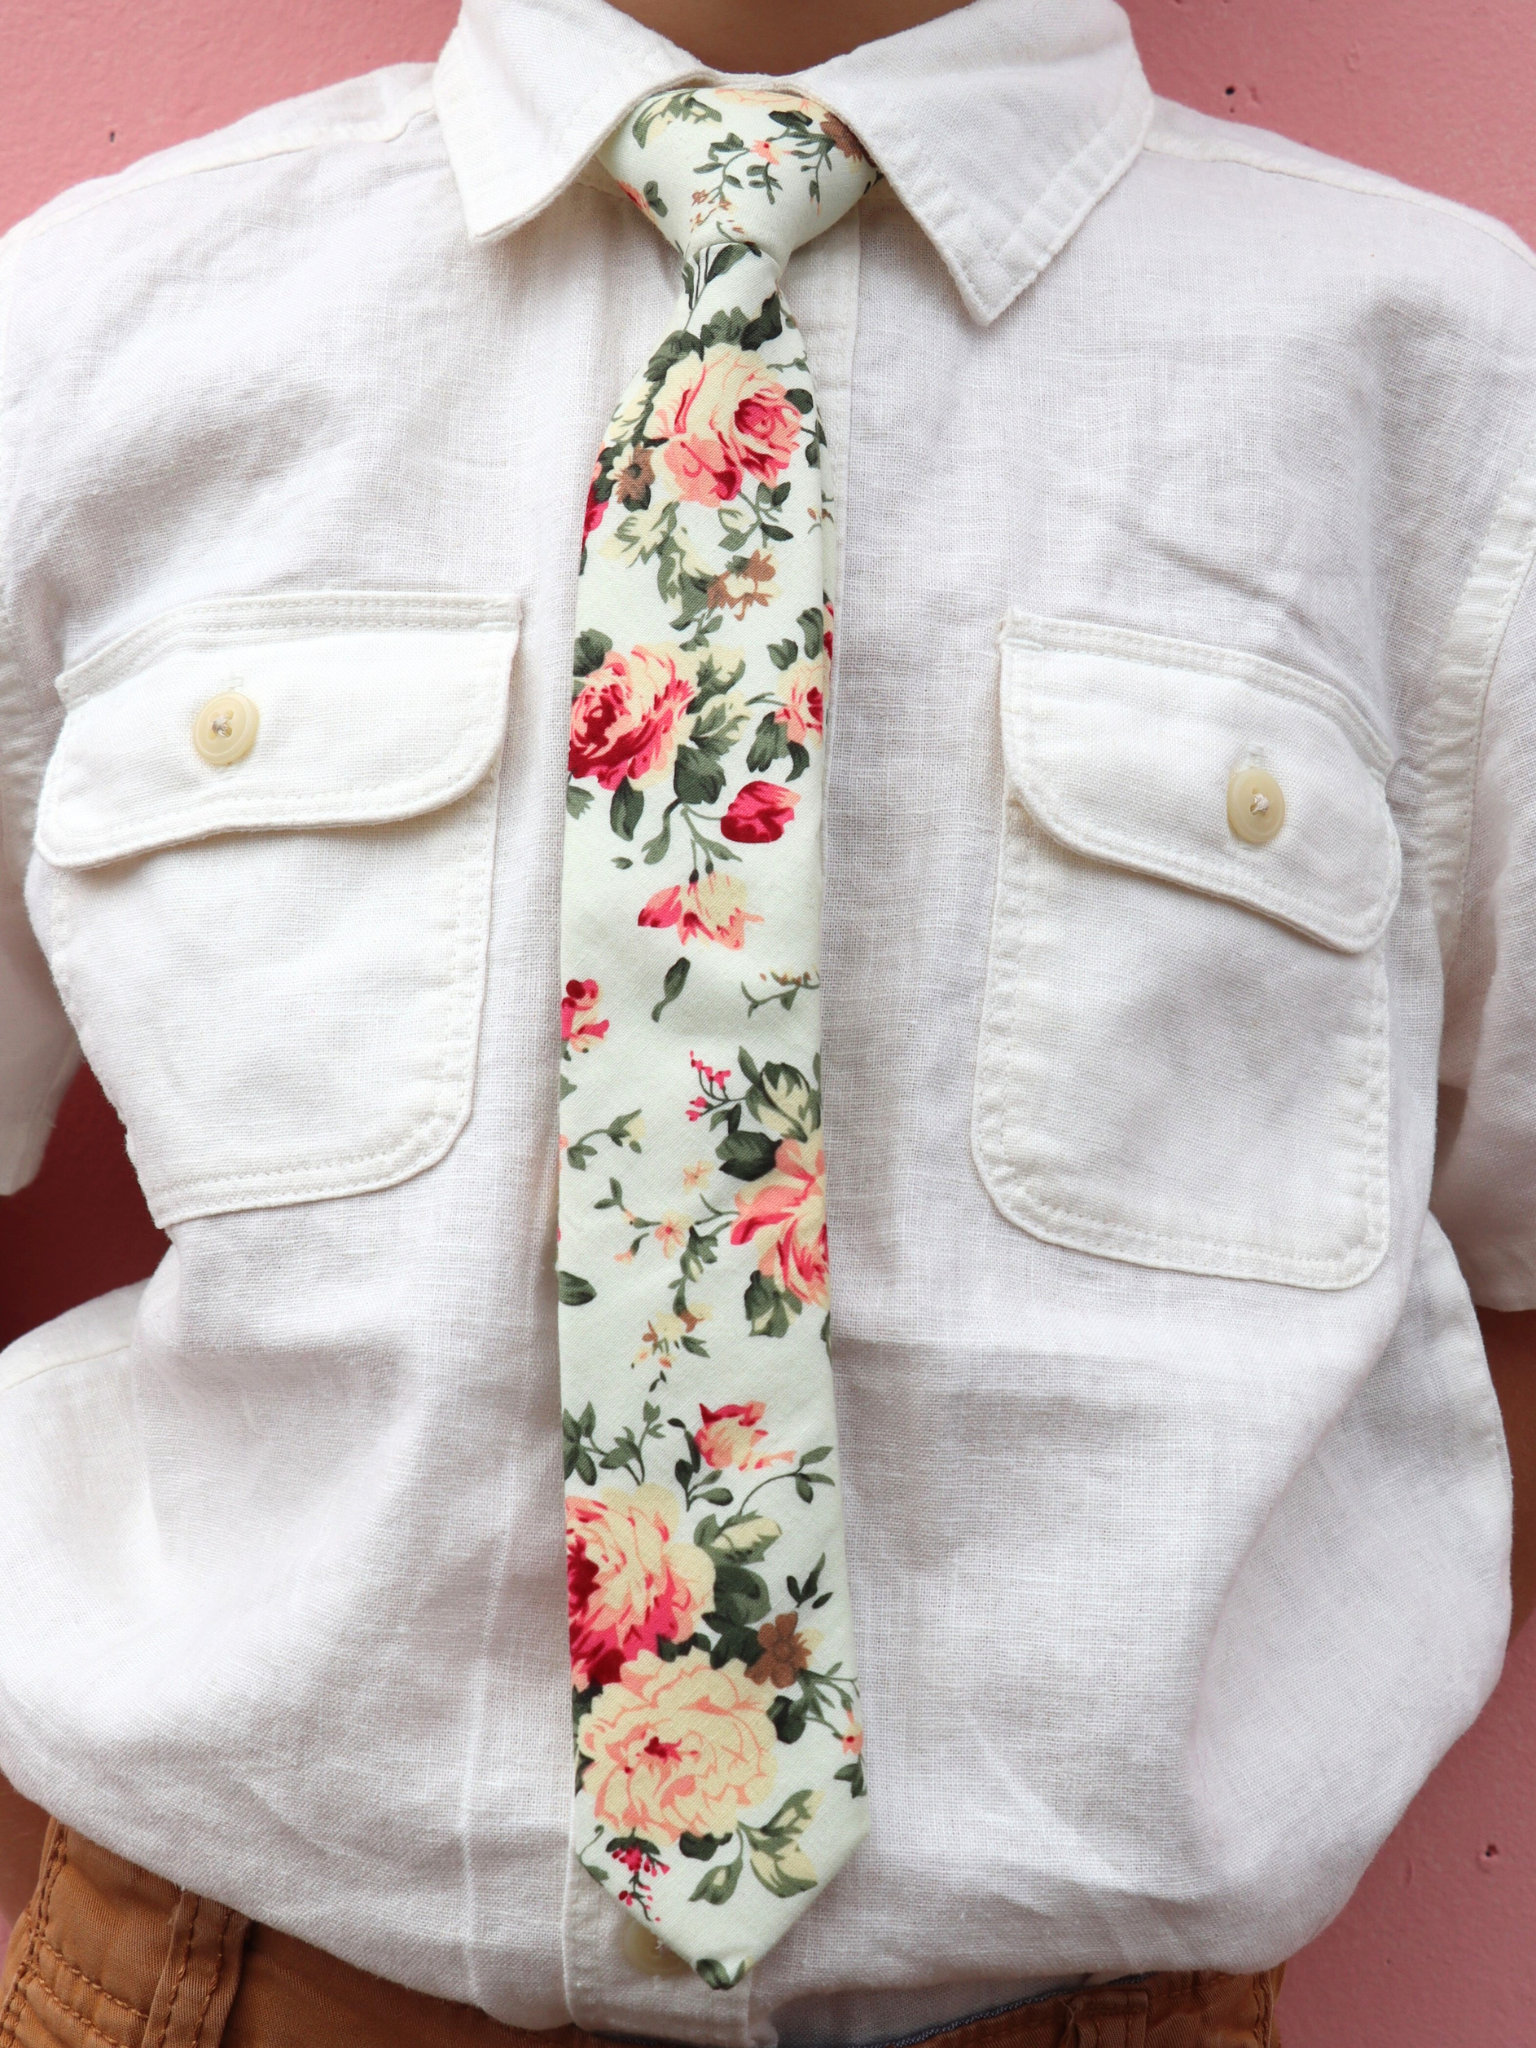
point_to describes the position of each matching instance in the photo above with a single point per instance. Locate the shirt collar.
(999, 126)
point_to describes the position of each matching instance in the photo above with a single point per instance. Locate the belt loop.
(1106, 2019)
(201, 1975)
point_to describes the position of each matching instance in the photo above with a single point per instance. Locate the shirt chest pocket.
(1184, 1055)
(271, 824)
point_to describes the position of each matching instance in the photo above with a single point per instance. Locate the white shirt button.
(1255, 805)
(224, 730)
(651, 1957)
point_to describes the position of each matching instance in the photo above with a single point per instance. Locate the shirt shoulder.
(377, 108)
(153, 320)
(1342, 217)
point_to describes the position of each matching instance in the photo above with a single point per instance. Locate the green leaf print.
(715, 730)
(716, 1975)
(743, 1540)
(701, 1847)
(624, 1130)
(747, 1155)
(681, 342)
(769, 742)
(768, 326)
(741, 1597)
(577, 1432)
(788, 1717)
(673, 983)
(779, 1864)
(713, 681)
(592, 650)
(799, 1593)
(782, 988)
(782, 1100)
(574, 1291)
(696, 778)
(656, 849)
(736, 1645)
(681, 106)
(770, 1310)
(714, 1888)
(626, 809)
(726, 326)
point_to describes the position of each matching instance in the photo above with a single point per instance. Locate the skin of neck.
(778, 36)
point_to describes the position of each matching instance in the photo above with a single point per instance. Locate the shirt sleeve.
(38, 1052)
(1485, 1182)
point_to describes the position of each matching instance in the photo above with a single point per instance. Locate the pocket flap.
(1122, 746)
(372, 708)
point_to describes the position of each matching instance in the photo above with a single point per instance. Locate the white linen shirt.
(1178, 1506)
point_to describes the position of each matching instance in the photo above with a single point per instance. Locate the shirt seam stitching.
(37, 1372)
(417, 105)
(36, 1117)
(12, 856)
(240, 620)
(1133, 86)
(1036, 633)
(453, 80)
(995, 261)
(1364, 183)
(1449, 793)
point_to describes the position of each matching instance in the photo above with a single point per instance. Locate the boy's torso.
(1148, 1359)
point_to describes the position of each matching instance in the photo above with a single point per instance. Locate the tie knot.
(766, 166)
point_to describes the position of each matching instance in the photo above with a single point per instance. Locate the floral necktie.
(719, 1774)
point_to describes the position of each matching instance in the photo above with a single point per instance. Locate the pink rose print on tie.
(678, 1749)
(592, 518)
(804, 691)
(724, 416)
(712, 906)
(715, 1080)
(789, 1208)
(628, 1584)
(580, 1030)
(758, 813)
(728, 1438)
(629, 718)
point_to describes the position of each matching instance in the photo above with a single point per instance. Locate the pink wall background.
(1436, 1950)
